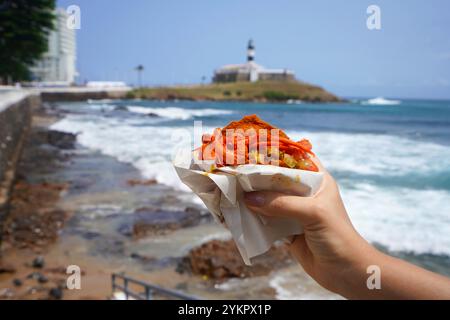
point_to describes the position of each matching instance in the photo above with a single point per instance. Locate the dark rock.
(17, 282)
(125, 229)
(81, 183)
(192, 210)
(89, 235)
(154, 220)
(58, 139)
(152, 115)
(35, 276)
(142, 258)
(120, 108)
(184, 265)
(159, 221)
(38, 262)
(62, 140)
(135, 255)
(202, 214)
(220, 260)
(55, 293)
(42, 279)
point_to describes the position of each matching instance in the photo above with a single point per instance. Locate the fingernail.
(255, 199)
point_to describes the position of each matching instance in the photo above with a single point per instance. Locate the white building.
(58, 64)
(251, 71)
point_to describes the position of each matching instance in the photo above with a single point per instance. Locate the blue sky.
(324, 42)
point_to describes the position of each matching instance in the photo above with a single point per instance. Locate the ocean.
(391, 158)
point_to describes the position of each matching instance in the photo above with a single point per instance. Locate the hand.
(333, 253)
(330, 246)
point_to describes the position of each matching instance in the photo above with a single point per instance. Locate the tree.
(24, 29)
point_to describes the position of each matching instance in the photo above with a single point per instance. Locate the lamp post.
(139, 69)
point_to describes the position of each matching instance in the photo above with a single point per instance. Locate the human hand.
(333, 253)
(330, 247)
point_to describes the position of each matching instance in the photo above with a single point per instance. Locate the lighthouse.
(250, 71)
(250, 51)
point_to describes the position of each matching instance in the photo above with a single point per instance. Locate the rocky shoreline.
(33, 221)
(76, 206)
(34, 218)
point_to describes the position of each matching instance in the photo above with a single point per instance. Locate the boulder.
(220, 260)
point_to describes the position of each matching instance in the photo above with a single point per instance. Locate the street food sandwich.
(254, 141)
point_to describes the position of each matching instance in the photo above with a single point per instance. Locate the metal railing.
(148, 289)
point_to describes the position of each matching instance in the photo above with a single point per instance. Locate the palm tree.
(139, 69)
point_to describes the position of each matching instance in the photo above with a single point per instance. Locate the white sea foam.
(399, 218)
(94, 211)
(97, 101)
(97, 105)
(178, 113)
(381, 101)
(294, 284)
(372, 154)
(148, 148)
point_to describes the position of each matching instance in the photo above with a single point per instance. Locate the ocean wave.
(148, 148)
(151, 148)
(381, 101)
(372, 154)
(399, 218)
(178, 113)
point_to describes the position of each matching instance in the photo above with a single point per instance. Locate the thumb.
(278, 204)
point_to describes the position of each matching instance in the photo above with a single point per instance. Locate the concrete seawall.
(81, 93)
(15, 122)
(16, 109)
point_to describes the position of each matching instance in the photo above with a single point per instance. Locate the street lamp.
(139, 69)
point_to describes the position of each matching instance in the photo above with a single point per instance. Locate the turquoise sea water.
(390, 158)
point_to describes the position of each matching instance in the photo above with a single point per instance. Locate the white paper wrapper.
(223, 191)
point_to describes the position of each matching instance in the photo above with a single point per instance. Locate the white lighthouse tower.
(251, 61)
(250, 51)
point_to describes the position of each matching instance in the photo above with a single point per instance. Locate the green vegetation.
(239, 91)
(24, 29)
(279, 96)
